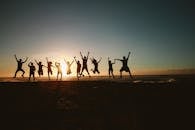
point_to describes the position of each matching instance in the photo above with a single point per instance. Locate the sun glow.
(63, 67)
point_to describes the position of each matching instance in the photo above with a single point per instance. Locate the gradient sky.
(160, 34)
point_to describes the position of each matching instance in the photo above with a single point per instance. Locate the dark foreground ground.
(98, 105)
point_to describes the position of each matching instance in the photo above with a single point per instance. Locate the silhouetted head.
(109, 61)
(78, 62)
(40, 63)
(20, 60)
(124, 57)
(68, 62)
(31, 64)
(85, 57)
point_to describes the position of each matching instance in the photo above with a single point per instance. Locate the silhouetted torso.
(124, 62)
(49, 66)
(20, 65)
(110, 66)
(84, 62)
(59, 68)
(32, 69)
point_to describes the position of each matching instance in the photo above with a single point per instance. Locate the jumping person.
(78, 67)
(19, 68)
(110, 69)
(95, 63)
(40, 70)
(32, 70)
(49, 70)
(84, 67)
(58, 66)
(125, 66)
(68, 66)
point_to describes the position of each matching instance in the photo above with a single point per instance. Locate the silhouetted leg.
(22, 72)
(16, 73)
(88, 72)
(61, 76)
(39, 72)
(98, 71)
(57, 76)
(130, 74)
(48, 75)
(82, 71)
(34, 76)
(112, 74)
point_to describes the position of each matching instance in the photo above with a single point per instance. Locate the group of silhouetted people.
(79, 71)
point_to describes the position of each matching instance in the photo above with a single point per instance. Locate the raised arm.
(114, 61)
(71, 62)
(16, 57)
(25, 59)
(36, 62)
(75, 59)
(100, 59)
(87, 55)
(81, 55)
(128, 55)
(47, 59)
(118, 59)
(29, 64)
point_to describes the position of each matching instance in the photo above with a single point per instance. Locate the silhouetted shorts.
(111, 70)
(125, 68)
(40, 72)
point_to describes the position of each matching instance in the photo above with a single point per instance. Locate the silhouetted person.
(110, 69)
(19, 68)
(40, 70)
(78, 67)
(32, 70)
(58, 66)
(68, 71)
(95, 63)
(49, 70)
(84, 67)
(125, 66)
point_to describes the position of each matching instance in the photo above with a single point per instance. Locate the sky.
(159, 34)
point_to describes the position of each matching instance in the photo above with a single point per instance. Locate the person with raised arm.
(84, 67)
(95, 63)
(68, 64)
(78, 67)
(19, 67)
(32, 70)
(59, 68)
(110, 69)
(40, 70)
(49, 70)
(125, 66)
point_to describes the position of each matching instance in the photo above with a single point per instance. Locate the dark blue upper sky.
(160, 34)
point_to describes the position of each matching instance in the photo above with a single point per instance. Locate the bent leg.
(22, 72)
(16, 73)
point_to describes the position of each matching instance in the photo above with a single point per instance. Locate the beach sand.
(100, 103)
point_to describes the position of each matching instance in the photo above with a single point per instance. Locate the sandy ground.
(158, 102)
